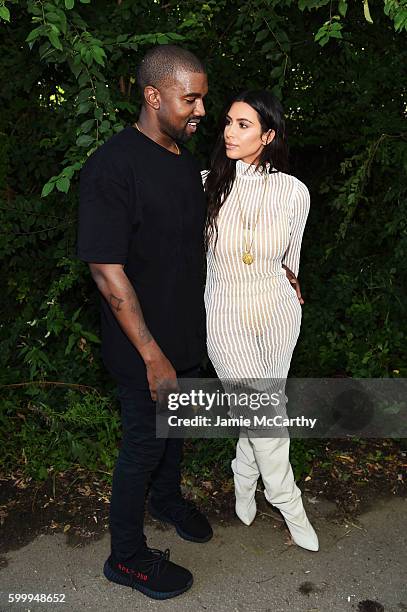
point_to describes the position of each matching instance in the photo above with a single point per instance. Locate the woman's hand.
(295, 283)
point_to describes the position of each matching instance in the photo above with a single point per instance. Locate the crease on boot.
(280, 489)
(245, 492)
(302, 532)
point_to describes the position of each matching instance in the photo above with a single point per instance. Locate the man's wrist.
(150, 352)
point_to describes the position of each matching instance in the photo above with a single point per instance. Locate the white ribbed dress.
(253, 313)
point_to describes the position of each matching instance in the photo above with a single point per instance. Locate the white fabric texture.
(253, 323)
(253, 313)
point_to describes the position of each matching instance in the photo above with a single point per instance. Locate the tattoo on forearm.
(143, 331)
(130, 299)
(115, 302)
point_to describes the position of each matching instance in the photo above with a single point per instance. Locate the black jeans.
(142, 458)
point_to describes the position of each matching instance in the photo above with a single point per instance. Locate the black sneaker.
(152, 574)
(189, 522)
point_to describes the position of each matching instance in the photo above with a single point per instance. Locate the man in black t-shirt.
(141, 224)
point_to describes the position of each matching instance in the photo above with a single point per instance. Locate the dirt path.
(361, 566)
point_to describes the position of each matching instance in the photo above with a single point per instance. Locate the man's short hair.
(160, 64)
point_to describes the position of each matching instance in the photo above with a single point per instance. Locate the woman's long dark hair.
(223, 170)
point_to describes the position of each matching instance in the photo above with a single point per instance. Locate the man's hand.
(162, 378)
(295, 283)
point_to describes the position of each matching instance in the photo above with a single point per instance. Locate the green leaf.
(322, 41)
(46, 49)
(91, 337)
(48, 187)
(312, 4)
(88, 57)
(175, 36)
(84, 94)
(83, 78)
(400, 20)
(70, 344)
(62, 20)
(54, 40)
(276, 72)
(262, 35)
(76, 314)
(282, 37)
(367, 11)
(4, 13)
(75, 69)
(97, 73)
(69, 4)
(343, 7)
(69, 171)
(84, 107)
(53, 18)
(87, 125)
(270, 44)
(51, 26)
(63, 184)
(84, 140)
(98, 55)
(320, 34)
(85, 1)
(34, 34)
(102, 93)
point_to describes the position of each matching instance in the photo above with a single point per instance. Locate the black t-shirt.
(144, 207)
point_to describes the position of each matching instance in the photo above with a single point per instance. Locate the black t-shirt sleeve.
(107, 212)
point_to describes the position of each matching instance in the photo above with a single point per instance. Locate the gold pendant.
(247, 258)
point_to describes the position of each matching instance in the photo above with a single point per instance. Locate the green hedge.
(68, 84)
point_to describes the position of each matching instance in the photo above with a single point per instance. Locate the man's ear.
(268, 137)
(152, 97)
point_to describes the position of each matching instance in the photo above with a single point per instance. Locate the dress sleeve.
(106, 213)
(298, 213)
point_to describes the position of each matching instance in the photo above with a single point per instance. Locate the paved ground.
(242, 569)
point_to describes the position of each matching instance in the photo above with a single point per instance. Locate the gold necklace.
(141, 131)
(247, 256)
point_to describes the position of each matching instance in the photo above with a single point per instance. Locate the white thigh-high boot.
(272, 458)
(246, 474)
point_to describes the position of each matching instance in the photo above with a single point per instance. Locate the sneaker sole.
(182, 534)
(113, 576)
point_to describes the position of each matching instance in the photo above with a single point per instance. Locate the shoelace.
(152, 565)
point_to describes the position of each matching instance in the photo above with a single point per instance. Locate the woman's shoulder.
(290, 179)
(297, 188)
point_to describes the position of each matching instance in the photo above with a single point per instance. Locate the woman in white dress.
(256, 218)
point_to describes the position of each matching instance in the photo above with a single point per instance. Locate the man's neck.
(152, 131)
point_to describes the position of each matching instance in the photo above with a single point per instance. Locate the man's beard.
(182, 136)
(177, 135)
